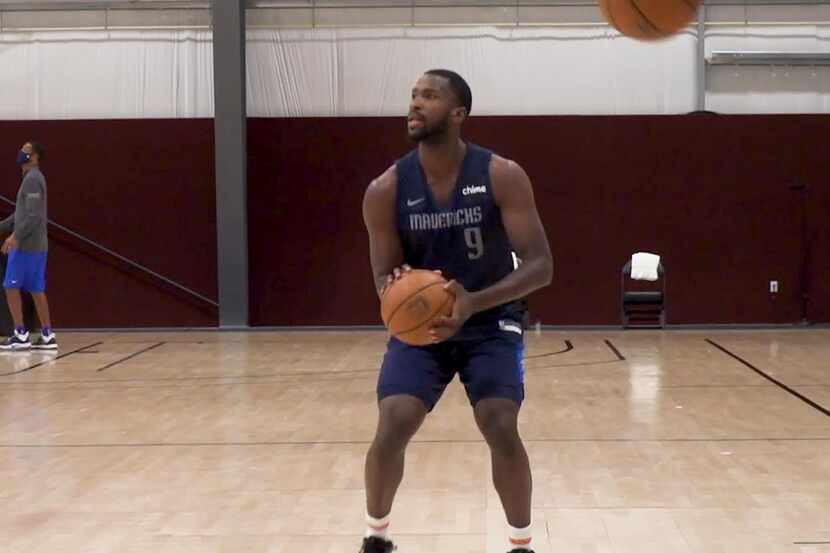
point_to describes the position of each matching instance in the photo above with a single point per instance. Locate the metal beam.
(231, 161)
(769, 58)
(700, 61)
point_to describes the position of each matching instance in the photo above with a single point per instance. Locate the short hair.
(458, 85)
(38, 149)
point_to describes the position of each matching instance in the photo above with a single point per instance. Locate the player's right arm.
(385, 251)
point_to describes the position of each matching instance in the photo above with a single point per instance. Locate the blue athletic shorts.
(489, 367)
(26, 271)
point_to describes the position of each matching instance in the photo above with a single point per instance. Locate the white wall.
(115, 72)
(745, 89)
(312, 72)
(511, 71)
(98, 74)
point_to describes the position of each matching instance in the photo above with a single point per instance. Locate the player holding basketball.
(452, 206)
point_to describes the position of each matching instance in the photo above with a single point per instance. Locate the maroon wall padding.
(708, 193)
(142, 188)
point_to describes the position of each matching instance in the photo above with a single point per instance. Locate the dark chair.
(643, 309)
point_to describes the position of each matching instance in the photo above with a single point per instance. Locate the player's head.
(30, 155)
(441, 101)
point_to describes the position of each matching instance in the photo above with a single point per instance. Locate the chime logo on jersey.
(470, 190)
(436, 221)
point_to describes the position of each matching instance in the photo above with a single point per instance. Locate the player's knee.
(392, 438)
(400, 418)
(498, 424)
(503, 440)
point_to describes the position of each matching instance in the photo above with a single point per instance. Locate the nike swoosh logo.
(413, 203)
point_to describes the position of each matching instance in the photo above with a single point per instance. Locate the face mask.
(23, 158)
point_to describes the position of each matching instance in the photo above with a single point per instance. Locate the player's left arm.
(513, 193)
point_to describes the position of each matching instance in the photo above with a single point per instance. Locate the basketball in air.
(649, 19)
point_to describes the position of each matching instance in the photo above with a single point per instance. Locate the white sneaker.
(17, 342)
(46, 342)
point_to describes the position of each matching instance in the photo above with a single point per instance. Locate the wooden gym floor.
(640, 441)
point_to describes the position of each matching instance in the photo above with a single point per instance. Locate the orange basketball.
(411, 303)
(649, 19)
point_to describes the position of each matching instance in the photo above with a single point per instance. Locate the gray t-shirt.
(29, 220)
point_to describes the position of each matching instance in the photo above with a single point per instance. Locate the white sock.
(378, 527)
(520, 537)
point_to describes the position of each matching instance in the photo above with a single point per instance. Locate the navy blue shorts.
(489, 367)
(26, 271)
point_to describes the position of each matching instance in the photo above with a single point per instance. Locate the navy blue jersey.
(465, 239)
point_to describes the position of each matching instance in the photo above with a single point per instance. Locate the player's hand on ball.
(447, 327)
(396, 274)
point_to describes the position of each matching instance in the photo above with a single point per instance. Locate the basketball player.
(27, 248)
(455, 207)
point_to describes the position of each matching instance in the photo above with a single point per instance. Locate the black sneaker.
(17, 342)
(375, 544)
(46, 342)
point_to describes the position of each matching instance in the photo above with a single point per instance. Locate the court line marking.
(368, 442)
(568, 347)
(45, 361)
(778, 383)
(136, 354)
(619, 355)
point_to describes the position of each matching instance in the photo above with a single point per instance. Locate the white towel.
(644, 266)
